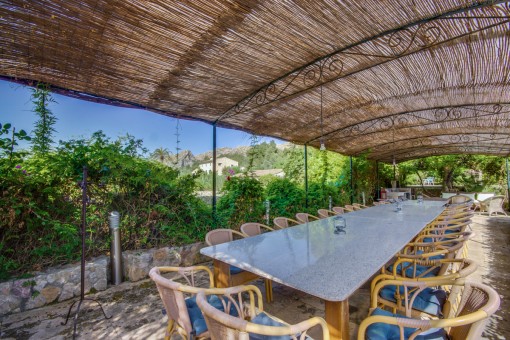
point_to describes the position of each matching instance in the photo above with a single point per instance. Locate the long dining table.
(312, 258)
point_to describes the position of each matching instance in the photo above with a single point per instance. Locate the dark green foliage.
(242, 201)
(43, 128)
(40, 203)
(285, 196)
(10, 140)
(318, 197)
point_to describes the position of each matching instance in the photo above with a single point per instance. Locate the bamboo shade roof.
(399, 79)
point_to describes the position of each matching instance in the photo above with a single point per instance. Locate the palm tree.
(161, 155)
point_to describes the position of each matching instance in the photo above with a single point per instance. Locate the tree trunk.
(448, 179)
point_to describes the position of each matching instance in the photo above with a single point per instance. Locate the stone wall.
(63, 283)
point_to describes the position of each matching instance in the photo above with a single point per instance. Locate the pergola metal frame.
(383, 126)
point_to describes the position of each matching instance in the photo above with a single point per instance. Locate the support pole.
(377, 187)
(214, 174)
(507, 178)
(352, 184)
(84, 201)
(306, 176)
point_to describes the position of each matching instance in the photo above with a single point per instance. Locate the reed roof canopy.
(400, 79)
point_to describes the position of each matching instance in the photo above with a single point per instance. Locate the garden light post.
(267, 204)
(115, 249)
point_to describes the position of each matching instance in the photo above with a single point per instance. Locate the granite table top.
(313, 259)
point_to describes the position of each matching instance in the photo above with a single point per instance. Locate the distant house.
(221, 163)
(273, 172)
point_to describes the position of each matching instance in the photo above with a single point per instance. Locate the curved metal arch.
(440, 114)
(418, 153)
(433, 137)
(402, 41)
(450, 139)
(396, 153)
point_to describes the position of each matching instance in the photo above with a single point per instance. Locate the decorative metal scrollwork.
(422, 118)
(374, 51)
(459, 138)
(421, 36)
(481, 141)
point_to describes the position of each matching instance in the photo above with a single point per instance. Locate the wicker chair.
(253, 228)
(359, 206)
(338, 210)
(252, 322)
(305, 217)
(184, 316)
(430, 302)
(349, 208)
(493, 205)
(459, 199)
(464, 315)
(237, 276)
(325, 213)
(284, 222)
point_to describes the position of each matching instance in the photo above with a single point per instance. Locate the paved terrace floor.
(136, 307)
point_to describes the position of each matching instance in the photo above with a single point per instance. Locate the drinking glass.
(340, 224)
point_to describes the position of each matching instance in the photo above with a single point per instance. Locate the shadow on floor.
(136, 307)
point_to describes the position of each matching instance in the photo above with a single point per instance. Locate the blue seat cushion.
(382, 331)
(235, 270)
(195, 314)
(429, 300)
(266, 320)
(409, 271)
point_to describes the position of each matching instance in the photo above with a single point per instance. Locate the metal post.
(84, 200)
(115, 251)
(352, 185)
(214, 173)
(268, 210)
(306, 177)
(377, 188)
(507, 178)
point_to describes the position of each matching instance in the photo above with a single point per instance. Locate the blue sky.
(79, 118)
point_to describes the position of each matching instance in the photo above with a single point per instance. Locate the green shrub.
(286, 197)
(40, 203)
(242, 201)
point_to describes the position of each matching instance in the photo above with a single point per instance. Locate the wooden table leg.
(221, 274)
(337, 318)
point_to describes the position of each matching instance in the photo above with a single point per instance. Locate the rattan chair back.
(284, 222)
(305, 217)
(173, 295)
(253, 228)
(247, 301)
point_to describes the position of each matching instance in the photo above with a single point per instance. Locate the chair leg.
(268, 284)
(170, 329)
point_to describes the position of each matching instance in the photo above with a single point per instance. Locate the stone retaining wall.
(63, 283)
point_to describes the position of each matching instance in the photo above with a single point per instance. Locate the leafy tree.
(294, 164)
(8, 142)
(44, 126)
(161, 155)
